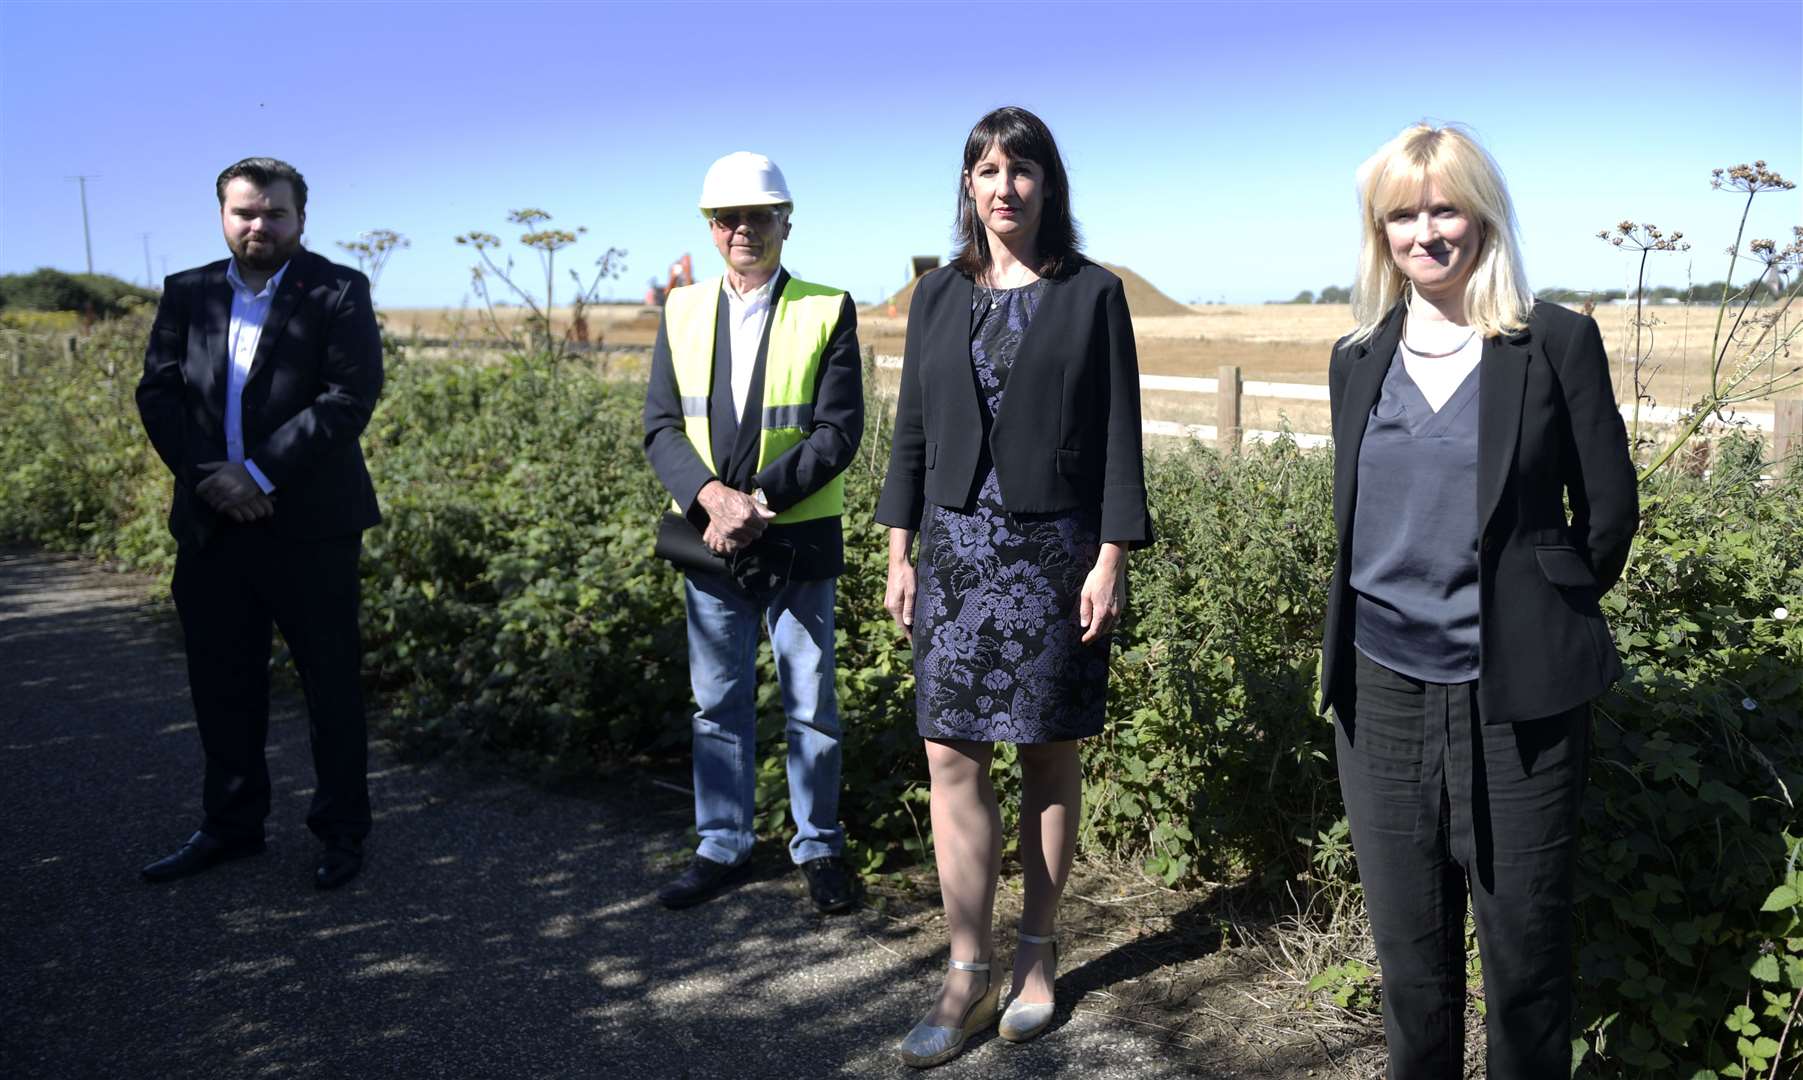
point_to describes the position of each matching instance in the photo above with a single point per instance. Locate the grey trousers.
(1443, 808)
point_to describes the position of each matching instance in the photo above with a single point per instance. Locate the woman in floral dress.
(1016, 462)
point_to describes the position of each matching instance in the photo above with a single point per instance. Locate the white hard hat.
(743, 178)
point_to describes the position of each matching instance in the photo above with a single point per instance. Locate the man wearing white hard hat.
(754, 409)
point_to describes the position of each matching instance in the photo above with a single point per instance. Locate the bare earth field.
(605, 322)
(1269, 342)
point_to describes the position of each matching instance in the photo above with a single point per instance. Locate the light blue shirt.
(250, 310)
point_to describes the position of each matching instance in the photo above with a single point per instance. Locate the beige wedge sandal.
(1024, 1020)
(929, 1044)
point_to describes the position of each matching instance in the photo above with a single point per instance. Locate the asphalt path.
(499, 929)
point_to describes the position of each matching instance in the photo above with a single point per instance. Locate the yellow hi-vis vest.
(800, 326)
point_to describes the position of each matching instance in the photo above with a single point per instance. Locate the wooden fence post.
(1787, 438)
(71, 349)
(869, 352)
(1227, 408)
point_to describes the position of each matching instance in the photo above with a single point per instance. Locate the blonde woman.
(1485, 500)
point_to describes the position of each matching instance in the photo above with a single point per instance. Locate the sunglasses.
(761, 218)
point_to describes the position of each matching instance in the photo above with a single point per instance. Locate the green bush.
(1691, 951)
(1213, 760)
(99, 295)
(512, 597)
(76, 472)
(513, 607)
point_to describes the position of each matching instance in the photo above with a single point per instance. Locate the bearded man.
(261, 373)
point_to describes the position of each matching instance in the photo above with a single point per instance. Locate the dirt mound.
(1143, 298)
(899, 301)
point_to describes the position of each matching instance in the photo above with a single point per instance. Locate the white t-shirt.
(745, 317)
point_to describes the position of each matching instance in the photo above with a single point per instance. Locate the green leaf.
(1784, 896)
(1714, 791)
(1579, 1048)
(1765, 969)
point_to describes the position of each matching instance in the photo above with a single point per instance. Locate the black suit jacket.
(801, 551)
(309, 394)
(1549, 432)
(1068, 432)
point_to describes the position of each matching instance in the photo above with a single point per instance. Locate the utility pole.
(149, 282)
(86, 240)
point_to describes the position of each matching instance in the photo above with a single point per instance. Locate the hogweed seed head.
(1644, 236)
(480, 240)
(1749, 178)
(549, 239)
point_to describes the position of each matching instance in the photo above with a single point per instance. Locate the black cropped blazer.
(1067, 434)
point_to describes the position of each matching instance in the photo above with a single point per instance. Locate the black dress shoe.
(201, 852)
(831, 883)
(341, 861)
(703, 879)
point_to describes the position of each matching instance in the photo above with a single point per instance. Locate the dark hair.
(264, 171)
(1021, 135)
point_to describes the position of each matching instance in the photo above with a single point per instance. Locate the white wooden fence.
(1785, 422)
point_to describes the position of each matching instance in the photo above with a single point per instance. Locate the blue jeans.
(723, 639)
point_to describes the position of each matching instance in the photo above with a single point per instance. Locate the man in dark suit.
(261, 373)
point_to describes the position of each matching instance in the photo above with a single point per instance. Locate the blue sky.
(1211, 146)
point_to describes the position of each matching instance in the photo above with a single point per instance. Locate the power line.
(86, 239)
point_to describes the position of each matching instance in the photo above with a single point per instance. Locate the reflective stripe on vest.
(800, 327)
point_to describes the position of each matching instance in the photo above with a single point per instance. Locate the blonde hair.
(1497, 297)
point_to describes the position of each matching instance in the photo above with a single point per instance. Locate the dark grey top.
(1414, 568)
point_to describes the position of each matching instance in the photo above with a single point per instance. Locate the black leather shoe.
(341, 861)
(703, 879)
(201, 852)
(831, 883)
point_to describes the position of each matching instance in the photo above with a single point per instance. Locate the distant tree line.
(1333, 294)
(98, 295)
(1701, 293)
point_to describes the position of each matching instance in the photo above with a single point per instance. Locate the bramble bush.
(1690, 947)
(512, 606)
(76, 470)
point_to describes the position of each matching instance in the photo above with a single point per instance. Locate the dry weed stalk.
(1755, 338)
(1645, 238)
(546, 242)
(372, 248)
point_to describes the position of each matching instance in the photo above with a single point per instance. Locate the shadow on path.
(497, 930)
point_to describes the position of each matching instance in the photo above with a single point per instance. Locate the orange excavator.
(682, 272)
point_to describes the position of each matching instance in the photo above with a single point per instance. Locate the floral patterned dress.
(998, 652)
